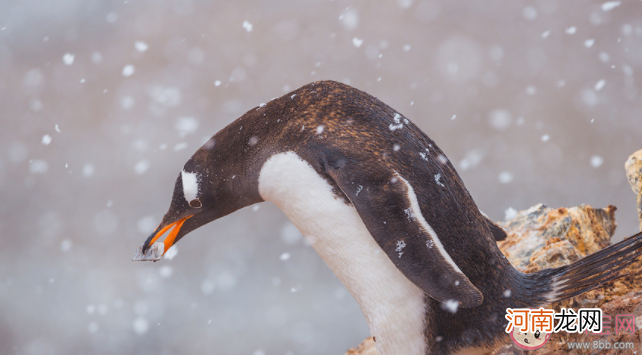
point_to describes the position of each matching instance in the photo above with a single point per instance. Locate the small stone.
(154, 253)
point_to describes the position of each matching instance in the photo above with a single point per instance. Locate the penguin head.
(212, 184)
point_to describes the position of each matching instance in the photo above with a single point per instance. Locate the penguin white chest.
(393, 306)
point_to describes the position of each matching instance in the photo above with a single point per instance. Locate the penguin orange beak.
(174, 228)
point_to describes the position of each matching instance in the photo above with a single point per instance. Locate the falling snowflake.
(128, 70)
(68, 59)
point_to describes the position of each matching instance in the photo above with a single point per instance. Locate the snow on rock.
(510, 213)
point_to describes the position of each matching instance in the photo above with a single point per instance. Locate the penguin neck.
(393, 306)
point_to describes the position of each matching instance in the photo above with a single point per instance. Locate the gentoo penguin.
(385, 209)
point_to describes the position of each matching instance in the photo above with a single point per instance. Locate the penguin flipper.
(498, 232)
(389, 209)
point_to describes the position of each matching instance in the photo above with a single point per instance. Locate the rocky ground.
(543, 237)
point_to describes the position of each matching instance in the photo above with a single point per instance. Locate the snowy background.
(101, 103)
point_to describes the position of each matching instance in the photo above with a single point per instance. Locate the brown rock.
(367, 347)
(542, 237)
(633, 168)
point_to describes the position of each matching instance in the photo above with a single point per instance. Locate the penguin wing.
(388, 206)
(498, 232)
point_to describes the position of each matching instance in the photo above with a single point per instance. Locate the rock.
(367, 347)
(154, 253)
(542, 237)
(633, 168)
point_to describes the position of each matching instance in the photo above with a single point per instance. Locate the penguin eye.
(537, 333)
(195, 203)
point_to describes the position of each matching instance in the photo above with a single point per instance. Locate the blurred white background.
(103, 101)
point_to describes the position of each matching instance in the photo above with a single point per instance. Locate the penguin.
(386, 210)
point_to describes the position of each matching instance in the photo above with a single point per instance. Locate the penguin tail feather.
(591, 271)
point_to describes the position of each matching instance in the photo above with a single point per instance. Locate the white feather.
(190, 185)
(393, 306)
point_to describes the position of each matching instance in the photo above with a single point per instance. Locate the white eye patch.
(190, 185)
